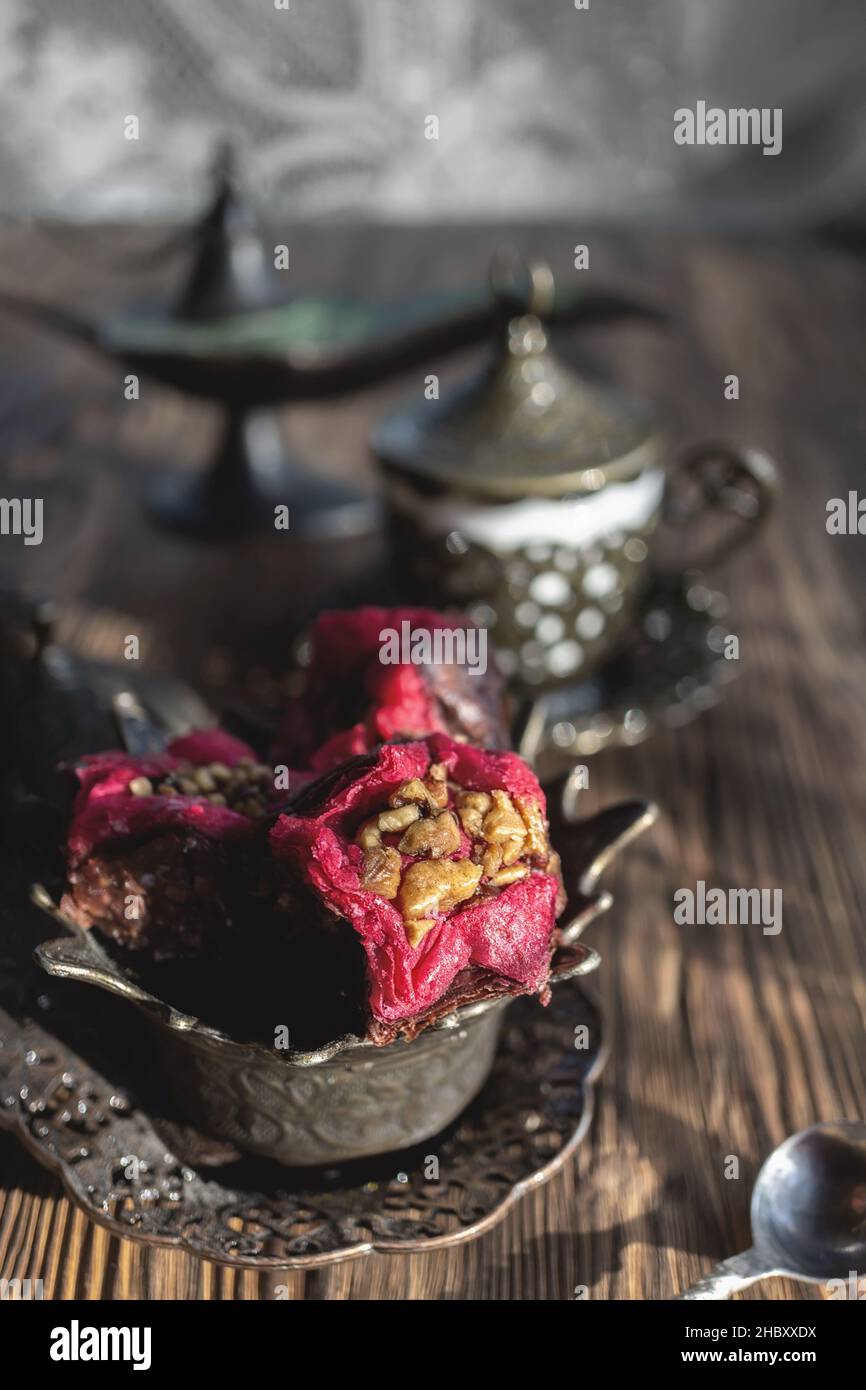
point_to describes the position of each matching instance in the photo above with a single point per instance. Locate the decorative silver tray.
(141, 1173)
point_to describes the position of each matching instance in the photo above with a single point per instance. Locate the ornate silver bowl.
(349, 1099)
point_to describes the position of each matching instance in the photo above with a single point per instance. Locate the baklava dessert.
(406, 871)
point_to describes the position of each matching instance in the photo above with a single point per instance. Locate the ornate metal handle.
(728, 480)
(728, 1277)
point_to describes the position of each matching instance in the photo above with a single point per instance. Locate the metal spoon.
(808, 1213)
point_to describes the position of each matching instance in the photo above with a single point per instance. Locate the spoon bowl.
(809, 1202)
(808, 1213)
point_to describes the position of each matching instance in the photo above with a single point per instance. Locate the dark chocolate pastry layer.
(165, 895)
(166, 851)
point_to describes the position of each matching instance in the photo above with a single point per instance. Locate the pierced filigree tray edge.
(49, 1159)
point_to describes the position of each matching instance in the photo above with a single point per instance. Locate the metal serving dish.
(349, 1099)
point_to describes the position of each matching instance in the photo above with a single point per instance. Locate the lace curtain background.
(544, 110)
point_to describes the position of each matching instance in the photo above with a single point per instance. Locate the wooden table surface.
(724, 1040)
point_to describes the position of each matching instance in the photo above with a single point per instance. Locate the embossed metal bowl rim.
(79, 956)
(83, 959)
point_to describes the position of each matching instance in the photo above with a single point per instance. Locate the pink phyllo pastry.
(437, 855)
(157, 845)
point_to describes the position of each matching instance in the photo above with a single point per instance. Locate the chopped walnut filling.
(536, 830)
(503, 827)
(382, 869)
(242, 788)
(398, 819)
(432, 792)
(472, 807)
(433, 819)
(437, 836)
(428, 887)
